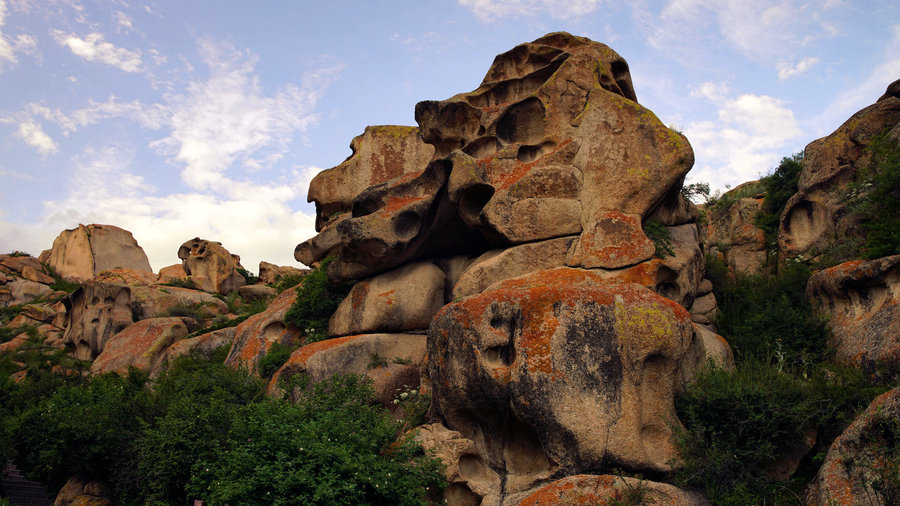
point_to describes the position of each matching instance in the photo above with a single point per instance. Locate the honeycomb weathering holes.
(522, 122)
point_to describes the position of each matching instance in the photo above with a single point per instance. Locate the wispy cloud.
(787, 71)
(491, 10)
(33, 134)
(746, 140)
(9, 46)
(93, 47)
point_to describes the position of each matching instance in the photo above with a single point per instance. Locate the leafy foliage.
(331, 447)
(276, 356)
(249, 277)
(696, 191)
(875, 196)
(779, 186)
(288, 281)
(661, 237)
(317, 298)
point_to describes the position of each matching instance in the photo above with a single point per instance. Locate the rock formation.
(94, 313)
(731, 232)
(81, 253)
(860, 299)
(210, 266)
(816, 217)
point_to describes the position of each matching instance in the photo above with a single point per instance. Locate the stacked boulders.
(506, 241)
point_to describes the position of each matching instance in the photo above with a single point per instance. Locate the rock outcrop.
(609, 489)
(210, 266)
(731, 232)
(861, 465)
(81, 253)
(141, 345)
(94, 313)
(860, 299)
(254, 336)
(816, 217)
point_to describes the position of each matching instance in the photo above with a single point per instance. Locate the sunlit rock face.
(210, 266)
(83, 252)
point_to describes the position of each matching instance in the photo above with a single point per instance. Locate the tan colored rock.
(674, 209)
(500, 264)
(23, 291)
(84, 252)
(210, 266)
(861, 458)
(172, 274)
(610, 489)
(141, 345)
(860, 299)
(14, 344)
(470, 480)
(254, 336)
(32, 274)
(271, 273)
(403, 299)
(132, 277)
(572, 372)
(160, 301)
(816, 217)
(94, 313)
(256, 292)
(730, 230)
(402, 355)
(77, 492)
(380, 154)
(17, 265)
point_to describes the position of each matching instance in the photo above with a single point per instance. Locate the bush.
(779, 186)
(331, 447)
(317, 299)
(662, 239)
(875, 196)
(766, 317)
(276, 356)
(288, 281)
(249, 277)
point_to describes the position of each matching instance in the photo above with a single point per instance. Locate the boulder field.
(526, 257)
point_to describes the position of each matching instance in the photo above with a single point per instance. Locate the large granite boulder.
(610, 489)
(817, 218)
(380, 154)
(731, 232)
(210, 266)
(861, 466)
(254, 336)
(94, 313)
(860, 299)
(81, 253)
(572, 372)
(141, 345)
(552, 144)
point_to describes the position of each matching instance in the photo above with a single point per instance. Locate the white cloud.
(787, 71)
(123, 21)
(94, 48)
(490, 10)
(22, 43)
(18, 175)
(745, 141)
(33, 135)
(226, 118)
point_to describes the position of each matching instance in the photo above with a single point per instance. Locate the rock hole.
(622, 76)
(407, 224)
(522, 122)
(460, 494)
(472, 468)
(482, 147)
(522, 450)
(528, 154)
(473, 201)
(364, 207)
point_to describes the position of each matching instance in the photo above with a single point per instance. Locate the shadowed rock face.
(552, 144)
(210, 266)
(94, 313)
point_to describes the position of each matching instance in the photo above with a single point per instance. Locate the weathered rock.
(210, 266)
(403, 299)
(203, 343)
(14, 344)
(254, 336)
(861, 299)
(380, 154)
(172, 273)
(470, 480)
(32, 274)
(132, 277)
(548, 147)
(256, 292)
(271, 273)
(81, 253)
(94, 313)
(816, 217)
(391, 361)
(15, 264)
(674, 209)
(141, 345)
(23, 291)
(730, 230)
(500, 264)
(861, 466)
(160, 301)
(609, 489)
(77, 492)
(573, 372)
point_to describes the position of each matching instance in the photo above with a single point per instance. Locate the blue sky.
(209, 118)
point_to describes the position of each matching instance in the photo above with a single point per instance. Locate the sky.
(176, 120)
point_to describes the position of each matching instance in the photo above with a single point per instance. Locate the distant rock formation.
(210, 266)
(82, 253)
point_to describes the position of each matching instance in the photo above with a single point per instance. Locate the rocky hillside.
(521, 279)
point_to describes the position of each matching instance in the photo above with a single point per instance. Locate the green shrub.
(60, 284)
(276, 356)
(661, 237)
(317, 299)
(288, 281)
(187, 309)
(779, 186)
(182, 283)
(696, 190)
(875, 196)
(331, 447)
(766, 317)
(17, 253)
(720, 204)
(249, 277)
